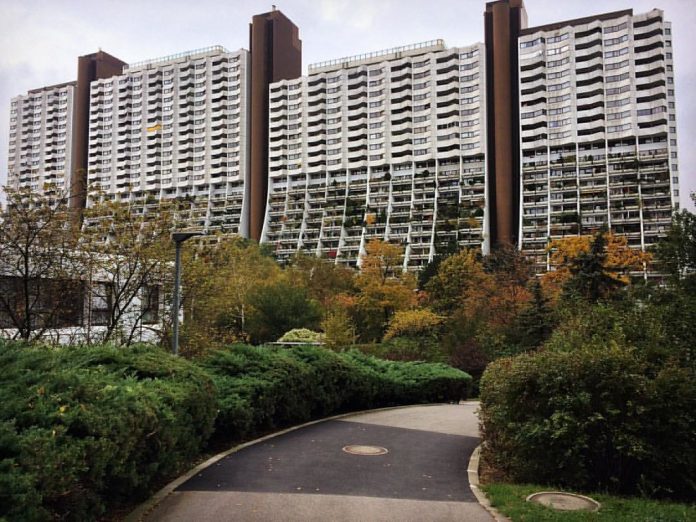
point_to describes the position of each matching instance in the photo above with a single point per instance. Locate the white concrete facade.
(40, 142)
(598, 140)
(175, 128)
(388, 145)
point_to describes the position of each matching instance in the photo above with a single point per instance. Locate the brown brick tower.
(89, 68)
(503, 19)
(276, 54)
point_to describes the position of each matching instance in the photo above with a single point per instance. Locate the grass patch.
(509, 499)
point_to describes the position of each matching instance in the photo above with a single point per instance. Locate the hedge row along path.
(305, 474)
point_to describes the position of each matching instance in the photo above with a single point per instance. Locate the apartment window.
(559, 50)
(615, 41)
(377, 114)
(375, 146)
(618, 103)
(375, 72)
(618, 77)
(617, 65)
(376, 135)
(559, 38)
(615, 28)
(558, 74)
(618, 52)
(559, 86)
(420, 141)
(374, 104)
(531, 43)
(376, 124)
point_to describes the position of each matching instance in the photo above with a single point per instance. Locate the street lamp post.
(178, 238)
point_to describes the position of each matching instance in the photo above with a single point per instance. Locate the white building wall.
(41, 139)
(175, 129)
(598, 131)
(389, 145)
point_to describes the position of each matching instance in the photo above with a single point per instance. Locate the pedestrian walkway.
(338, 470)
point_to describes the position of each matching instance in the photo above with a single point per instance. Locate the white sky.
(40, 40)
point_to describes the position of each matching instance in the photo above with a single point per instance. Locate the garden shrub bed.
(598, 419)
(85, 429)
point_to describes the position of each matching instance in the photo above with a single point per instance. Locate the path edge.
(144, 509)
(474, 484)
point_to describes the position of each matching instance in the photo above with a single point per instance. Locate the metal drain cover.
(357, 449)
(564, 501)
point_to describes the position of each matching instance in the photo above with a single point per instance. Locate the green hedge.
(83, 429)
(79, 425)
(271, 387)
(592, 419)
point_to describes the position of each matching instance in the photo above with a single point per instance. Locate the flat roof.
(186, 55)
(377, 56)
(576, 21)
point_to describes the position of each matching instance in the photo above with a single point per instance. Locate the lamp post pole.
(178, 238)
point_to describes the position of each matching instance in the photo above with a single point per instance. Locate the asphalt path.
(307, 474)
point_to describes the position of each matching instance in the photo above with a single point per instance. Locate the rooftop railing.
(350, 60)
(173, 57)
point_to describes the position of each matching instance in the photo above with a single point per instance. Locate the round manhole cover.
(357, 449)
(564, 501)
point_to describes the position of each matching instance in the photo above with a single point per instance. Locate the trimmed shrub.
(301, 335)
(80, 425)
(592, 419)
(270, 387)
(83, 429)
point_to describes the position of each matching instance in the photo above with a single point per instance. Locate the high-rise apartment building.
(175, 128)
(598, 142)
(41, 134)
(537, 133)
(386, 145)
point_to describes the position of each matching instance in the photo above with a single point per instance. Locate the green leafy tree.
(339, 330)
(279, 307)
(676, 253)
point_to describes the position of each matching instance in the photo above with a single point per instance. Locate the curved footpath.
(304, 474)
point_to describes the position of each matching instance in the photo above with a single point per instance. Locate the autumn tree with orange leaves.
(618, 260)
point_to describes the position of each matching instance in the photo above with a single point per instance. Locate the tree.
(534, 323)
(591, 278)
(279, 307)
(382, 289)
(455, 276)
(617, 259)
(339, 331)
(40, 269)
(676, 253)
(129, 260)
(218, 281)
(420, 323)
(322, 278)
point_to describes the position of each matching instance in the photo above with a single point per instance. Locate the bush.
(271, 387)
(83, 429)
(301, 335)
(592, 419)
(78, 426)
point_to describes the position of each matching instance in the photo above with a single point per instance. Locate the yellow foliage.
(621, 259)
(412, 322)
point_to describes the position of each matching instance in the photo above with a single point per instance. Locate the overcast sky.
(40, 40)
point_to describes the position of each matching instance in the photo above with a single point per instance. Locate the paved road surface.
(305, 475)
